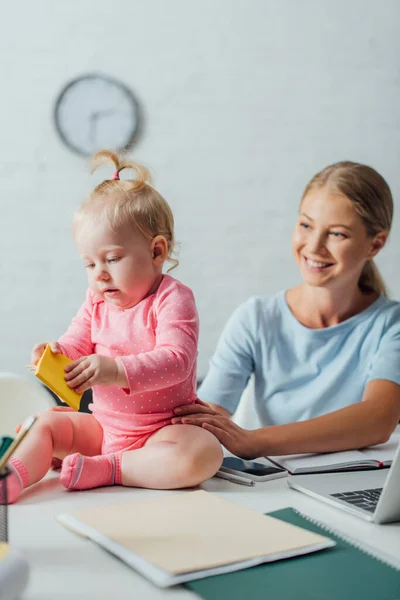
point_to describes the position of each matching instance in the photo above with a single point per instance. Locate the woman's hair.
(372, 200)
(128, 202)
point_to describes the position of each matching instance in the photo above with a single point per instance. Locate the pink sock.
(80, 472)
(16, 481)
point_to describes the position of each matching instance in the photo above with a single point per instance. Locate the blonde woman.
(326, 354)
(134, 341)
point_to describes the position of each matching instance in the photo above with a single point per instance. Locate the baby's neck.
(156, 284)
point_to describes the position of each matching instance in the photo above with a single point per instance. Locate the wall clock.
(95, 112)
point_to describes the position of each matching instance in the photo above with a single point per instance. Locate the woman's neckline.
(319, 330)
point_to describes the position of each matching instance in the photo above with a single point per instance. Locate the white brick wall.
(243, 102)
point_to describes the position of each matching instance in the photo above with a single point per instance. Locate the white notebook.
(184, 536)
(374, 457)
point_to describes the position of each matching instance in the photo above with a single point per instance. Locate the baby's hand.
(92, 370)
(38, 350)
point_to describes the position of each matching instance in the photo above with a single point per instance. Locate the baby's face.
(120, 265)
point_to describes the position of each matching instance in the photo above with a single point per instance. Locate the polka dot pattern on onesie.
(156, 343)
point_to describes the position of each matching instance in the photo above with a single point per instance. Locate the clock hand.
(101, 117)
(94, 119)
(92, 128)
(103, 113)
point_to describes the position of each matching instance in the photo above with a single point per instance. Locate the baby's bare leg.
(176, 456)
(54, 433)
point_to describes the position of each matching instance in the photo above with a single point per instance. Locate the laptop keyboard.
(365, 499)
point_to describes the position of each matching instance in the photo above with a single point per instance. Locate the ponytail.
(371, 279)
(142, 175)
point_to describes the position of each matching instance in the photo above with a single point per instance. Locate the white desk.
(65, 566)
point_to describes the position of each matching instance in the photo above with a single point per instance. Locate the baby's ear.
(159, 247)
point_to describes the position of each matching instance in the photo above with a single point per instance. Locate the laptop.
(373, 495)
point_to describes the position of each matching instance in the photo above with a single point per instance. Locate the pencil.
(235, 478)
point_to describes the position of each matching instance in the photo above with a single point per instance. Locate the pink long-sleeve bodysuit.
(156, 341)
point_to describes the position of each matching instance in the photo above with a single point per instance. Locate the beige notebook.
(184, 536)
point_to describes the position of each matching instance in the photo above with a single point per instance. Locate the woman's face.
(330, 242)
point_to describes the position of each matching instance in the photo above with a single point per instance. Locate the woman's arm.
(364, 424)
(358, 425)
(234, 359)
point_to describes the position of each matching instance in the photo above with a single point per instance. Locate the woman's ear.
(159, 249)
(377, 243)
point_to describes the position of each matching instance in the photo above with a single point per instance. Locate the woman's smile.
(316, 266)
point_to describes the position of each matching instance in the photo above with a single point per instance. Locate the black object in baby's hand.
(250, 469)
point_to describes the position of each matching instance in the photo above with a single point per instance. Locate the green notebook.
(343, 572)
(5, 443)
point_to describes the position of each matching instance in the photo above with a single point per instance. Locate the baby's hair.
(128, 202)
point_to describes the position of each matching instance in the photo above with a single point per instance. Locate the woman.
(325, 354)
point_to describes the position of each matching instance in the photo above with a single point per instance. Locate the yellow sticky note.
(4, 550)
(50, 370)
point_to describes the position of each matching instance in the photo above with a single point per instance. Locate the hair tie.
(115, 176)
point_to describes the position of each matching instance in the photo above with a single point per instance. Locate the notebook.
(345, 572)
(5, 443)
(184, 536)
(50, 370)
(374, 457)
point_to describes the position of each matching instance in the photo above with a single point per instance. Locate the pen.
(235, 478)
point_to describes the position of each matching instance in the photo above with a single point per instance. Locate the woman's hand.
(87, 371)
(38, 350)
(239, 441)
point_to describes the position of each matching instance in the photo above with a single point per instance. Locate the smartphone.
(251, 469)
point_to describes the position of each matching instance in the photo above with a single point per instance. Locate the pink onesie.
(156, 341)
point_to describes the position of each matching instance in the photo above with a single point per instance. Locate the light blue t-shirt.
(301, 373)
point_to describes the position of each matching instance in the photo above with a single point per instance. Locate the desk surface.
(64, 565)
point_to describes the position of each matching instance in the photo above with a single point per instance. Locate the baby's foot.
(80, 472)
